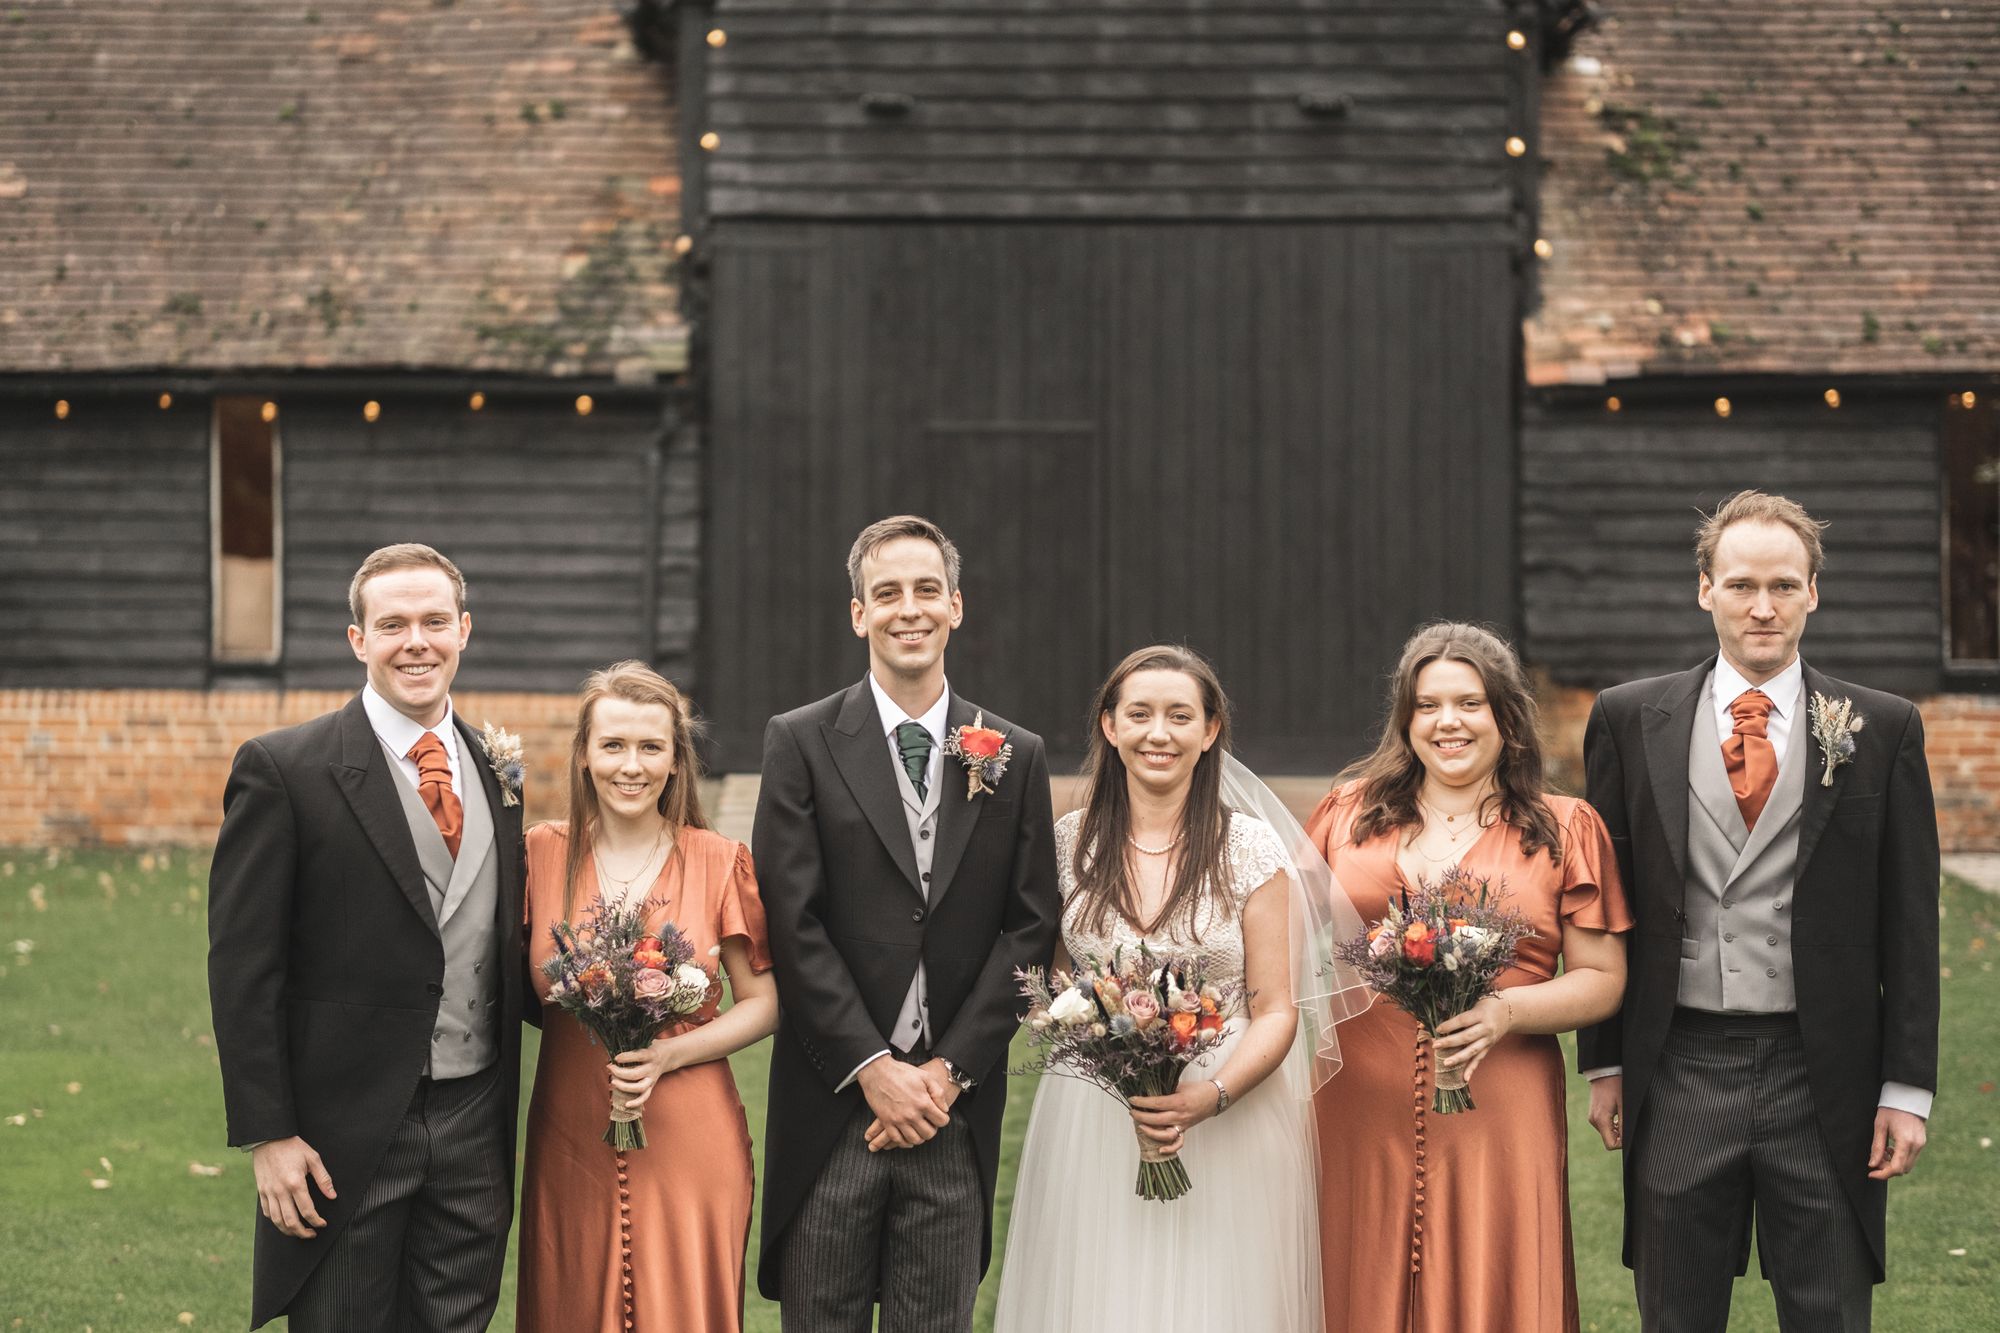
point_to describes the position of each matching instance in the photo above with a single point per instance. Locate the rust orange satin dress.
(1458, 1223)
(676, 1211)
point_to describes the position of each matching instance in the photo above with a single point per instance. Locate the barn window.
(244, 537)
(1972, 528)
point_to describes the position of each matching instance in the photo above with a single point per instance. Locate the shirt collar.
(892, 713)
(400, 732)
(1784, 688)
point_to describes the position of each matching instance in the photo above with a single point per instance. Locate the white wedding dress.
(1239, 1252)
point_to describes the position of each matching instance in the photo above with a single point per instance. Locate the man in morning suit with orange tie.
(1776, 1054)
(366, 978)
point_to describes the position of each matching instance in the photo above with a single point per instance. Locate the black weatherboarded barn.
(1190, 321)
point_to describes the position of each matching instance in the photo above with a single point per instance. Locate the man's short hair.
(1759, 507)
(883, 531)
(403, 555)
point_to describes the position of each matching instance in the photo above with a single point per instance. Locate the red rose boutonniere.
(983, 751)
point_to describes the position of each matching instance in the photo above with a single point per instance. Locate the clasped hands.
(911, 1102)
(1464, 1041)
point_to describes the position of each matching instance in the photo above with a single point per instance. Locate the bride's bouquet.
(1436, 954)
(1129, 1024)
(624, 983)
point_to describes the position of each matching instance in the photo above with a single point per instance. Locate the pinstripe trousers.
(906, 1223)
(1728, 1132)
(426, 1245)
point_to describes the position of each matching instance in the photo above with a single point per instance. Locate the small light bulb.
(683, 244)
(1968, 400)
(477, 401)
(1516, 40)
(1542, 247)
(62, 409)
(270, 412)
(711, 141)
(1516, 145)
(166, 401)
(718, 38)
(583, 405)
(1722, 408)
(371, 410)
(1832, 397)
(1613, 405)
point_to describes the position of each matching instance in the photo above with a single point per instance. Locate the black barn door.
(1282, 444)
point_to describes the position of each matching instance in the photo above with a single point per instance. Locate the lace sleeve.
(1255, 855)
(1066, 828)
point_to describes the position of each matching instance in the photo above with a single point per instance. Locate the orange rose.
(980, 742)
(1184, 1028)
(1210, 1022)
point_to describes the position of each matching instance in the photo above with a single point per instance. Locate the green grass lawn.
(114, 1214)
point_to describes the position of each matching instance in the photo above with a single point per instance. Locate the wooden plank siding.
(567, 529)
(1608, 513)
(1283, 443)
(103, 544)
(1113, 108)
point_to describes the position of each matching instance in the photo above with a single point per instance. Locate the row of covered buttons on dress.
(625, 1238)
(1419, 1107)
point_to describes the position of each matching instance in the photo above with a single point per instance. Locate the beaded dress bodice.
(1254, 855)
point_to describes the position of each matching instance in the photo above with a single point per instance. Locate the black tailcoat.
(848, 924)
(1865, 903)
(325, 964)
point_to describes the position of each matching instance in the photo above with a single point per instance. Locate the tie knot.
(1750, 709)
(430, 758)
(913, 738)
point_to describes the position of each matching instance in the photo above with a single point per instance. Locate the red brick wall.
(1961, 738)
(147, 767)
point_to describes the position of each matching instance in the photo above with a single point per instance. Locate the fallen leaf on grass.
(24, 947)
(1958, 1253)
(1945, 973)
(17, 1120)
(184, 1317)
(203, 1169)
(1987, 1086)
(72, 1088)
(55, 1029)
(1986, 1143)
(100, 1183)
(146, 862)
(38, 898)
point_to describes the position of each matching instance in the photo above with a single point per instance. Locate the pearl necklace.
(1155, 851)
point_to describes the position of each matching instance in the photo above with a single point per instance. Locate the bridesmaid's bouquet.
(1130, 1025)
(1437, 953)
(624, 983)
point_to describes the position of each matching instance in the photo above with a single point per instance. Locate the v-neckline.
(1396, 860)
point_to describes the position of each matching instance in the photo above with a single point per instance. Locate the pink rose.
(651, 984)
(1143, 1008)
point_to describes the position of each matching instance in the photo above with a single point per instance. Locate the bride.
(1176, 846)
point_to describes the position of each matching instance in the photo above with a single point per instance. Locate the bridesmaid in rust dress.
(653, 1238)
(1460, 1223)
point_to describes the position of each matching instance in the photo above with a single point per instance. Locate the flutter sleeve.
(741, 912)
(1592, 894)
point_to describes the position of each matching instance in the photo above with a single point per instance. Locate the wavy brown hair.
(1103, 873)
(1391, 777)
(680, 801)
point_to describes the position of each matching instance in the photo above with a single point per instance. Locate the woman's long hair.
(1103, 876)
(680, 801)
(1391, 777)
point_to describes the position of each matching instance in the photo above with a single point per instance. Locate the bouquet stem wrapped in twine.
(627, 1129)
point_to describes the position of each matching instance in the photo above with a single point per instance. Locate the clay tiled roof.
(1785, 186)
(237, 184)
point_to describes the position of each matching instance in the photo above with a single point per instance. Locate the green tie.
(914, 743)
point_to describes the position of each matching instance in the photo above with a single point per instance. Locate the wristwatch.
(964, 1080)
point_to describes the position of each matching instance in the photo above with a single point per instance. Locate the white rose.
(690, 987)
(1072, 1007)
(1475, 937)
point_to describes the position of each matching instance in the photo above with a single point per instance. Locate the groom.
(365, 973)
(901, 898)
(1777, 1050)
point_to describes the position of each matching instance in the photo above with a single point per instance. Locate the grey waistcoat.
(1736, 944)
(465, 898)
(914, 1020)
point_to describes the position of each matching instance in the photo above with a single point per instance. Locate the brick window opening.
(1972, 529)
(244, 520)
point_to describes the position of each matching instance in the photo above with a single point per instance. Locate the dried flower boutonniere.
(503, 751)
(983, 751)
(1834, 723)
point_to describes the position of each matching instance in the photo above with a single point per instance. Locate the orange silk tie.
(434, 785)
(1749, 756)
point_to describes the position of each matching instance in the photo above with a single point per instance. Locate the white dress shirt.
(400, 733)
(892, 716)
(1787, 694)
